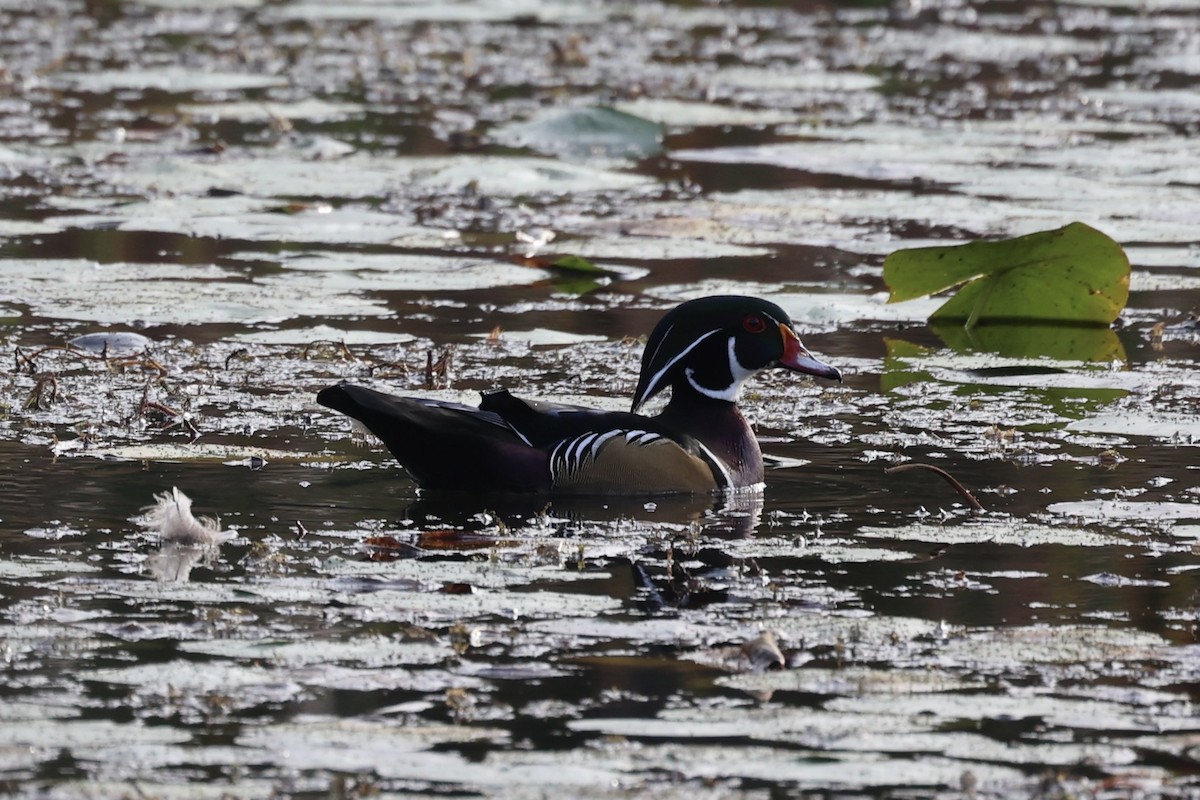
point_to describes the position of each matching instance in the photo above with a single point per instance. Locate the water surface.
(283, 195)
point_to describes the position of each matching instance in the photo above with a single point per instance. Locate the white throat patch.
(731, 392)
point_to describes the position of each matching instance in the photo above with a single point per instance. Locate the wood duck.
(704, 350)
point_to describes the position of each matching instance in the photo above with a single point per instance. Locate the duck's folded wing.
(628, 461)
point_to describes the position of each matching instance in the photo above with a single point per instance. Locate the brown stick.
(950, 479)
(242, 351)
(30, 359)
(144, 360)
(180, 417)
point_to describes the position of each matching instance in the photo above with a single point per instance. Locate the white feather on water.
(172, 519)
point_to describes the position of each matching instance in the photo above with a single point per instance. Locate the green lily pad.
(1073, 274)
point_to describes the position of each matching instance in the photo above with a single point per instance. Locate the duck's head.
(713, 344)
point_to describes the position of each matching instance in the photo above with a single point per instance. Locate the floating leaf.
(568, 264)
(583, 133)
(572, 274)
(389, 548)
(450, 539)
(1072, 274)
(577, 264)
(111, 342)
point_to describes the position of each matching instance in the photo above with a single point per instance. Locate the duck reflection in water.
(729, 515)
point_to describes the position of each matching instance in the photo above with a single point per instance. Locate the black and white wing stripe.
(570, 456)
(625, 460)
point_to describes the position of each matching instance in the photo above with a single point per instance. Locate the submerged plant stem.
(950, 479)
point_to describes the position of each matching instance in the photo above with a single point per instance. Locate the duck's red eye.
(754, 324)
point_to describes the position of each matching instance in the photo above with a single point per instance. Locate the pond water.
(281, 195)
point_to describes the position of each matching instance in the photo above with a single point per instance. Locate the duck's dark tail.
(444, 445)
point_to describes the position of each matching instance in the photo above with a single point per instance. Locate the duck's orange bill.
(797, 358)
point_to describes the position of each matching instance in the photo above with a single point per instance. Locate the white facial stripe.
(736, 369)
(729, 393)
(658, 376)
(739, 374)
(666, 335)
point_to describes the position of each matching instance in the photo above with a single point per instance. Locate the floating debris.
(172, 519)
(111, 342)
